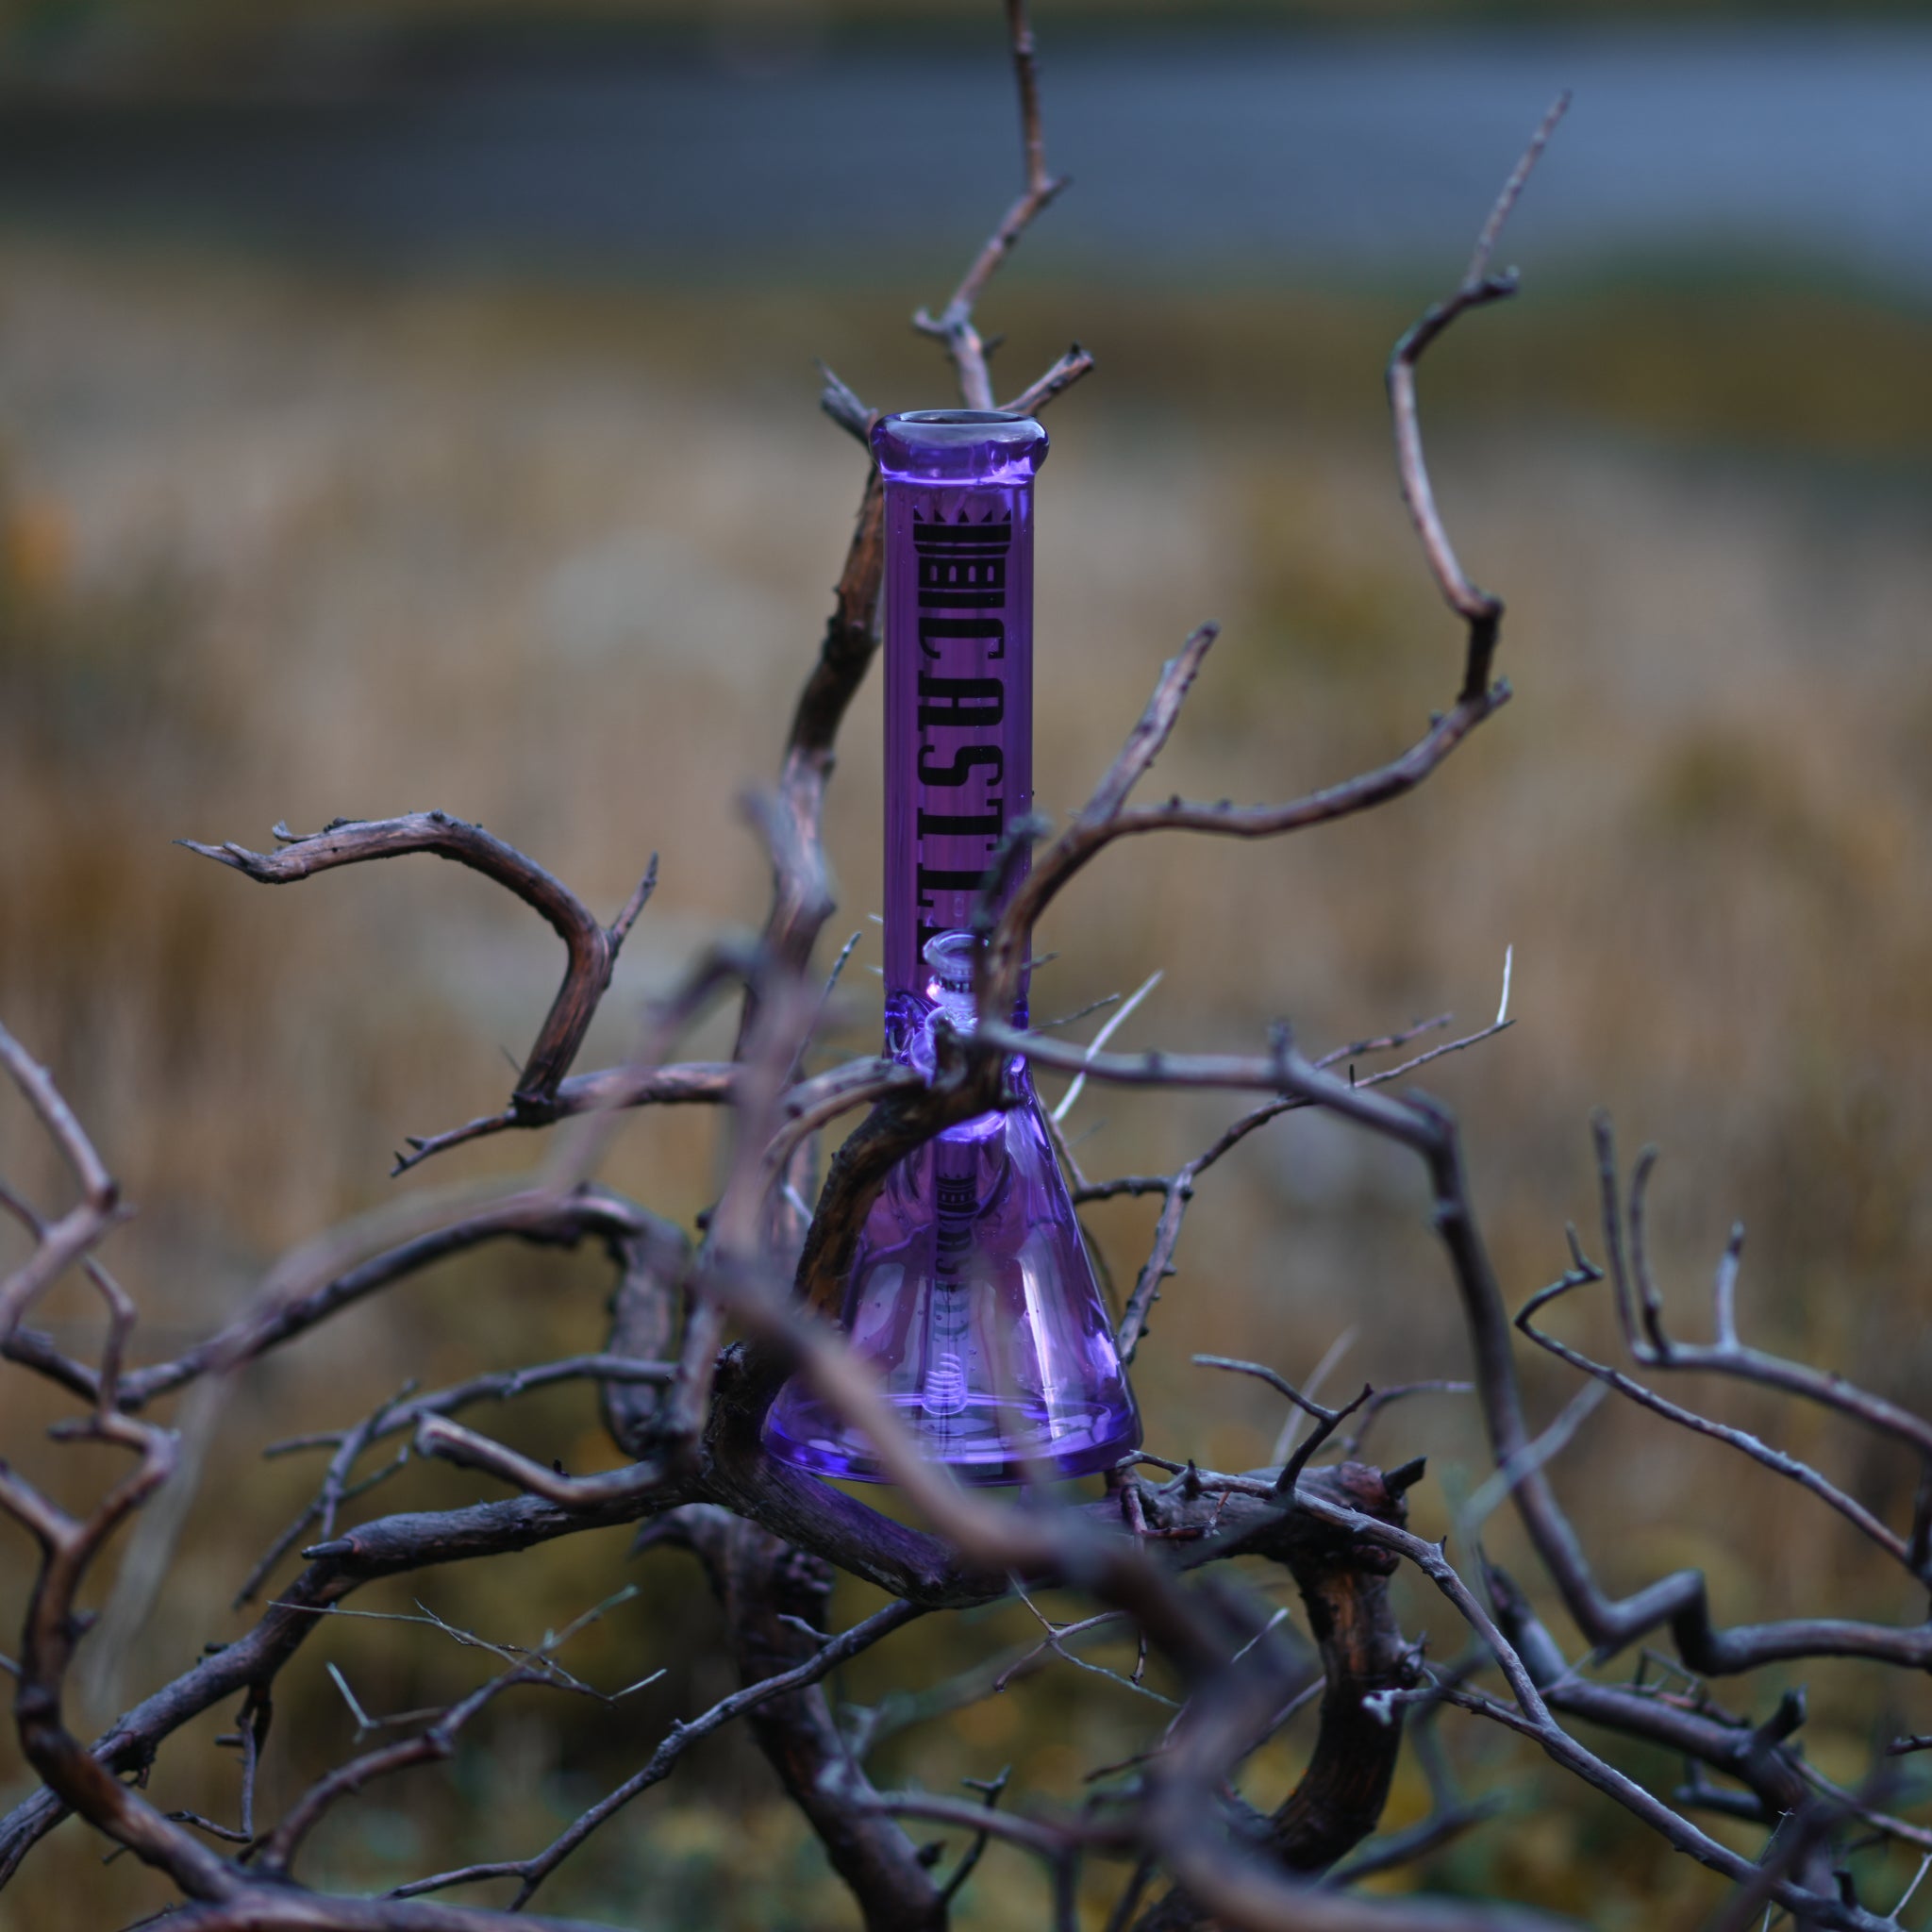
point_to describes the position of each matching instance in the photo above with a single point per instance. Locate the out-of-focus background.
(413, 405)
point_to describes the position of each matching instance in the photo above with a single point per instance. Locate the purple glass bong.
(971, 1293)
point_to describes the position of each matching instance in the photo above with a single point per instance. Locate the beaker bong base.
(988, 1442)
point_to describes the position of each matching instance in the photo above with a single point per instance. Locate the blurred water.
(1250, 157)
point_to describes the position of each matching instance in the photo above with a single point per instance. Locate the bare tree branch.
(535, 1870)
(59, 1244)
(1481, 611)
(953, 324)
(1065, 373)
(593, 948)
(1641, 1309)
(775, 1597)
(582, 1213)
(1802, 1474)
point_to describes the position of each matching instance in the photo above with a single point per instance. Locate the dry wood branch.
(1450, 1814)
(276, 1908)
(275, 1852)
(535, 1870)
(1245, 1515)
(1641, 1309)
(953, 324)
(583, 1214)
(801, 887)
(775, 1599)
(73, 1777)
(1429, 1131)
(57, 1244)
(1418, 1840)
(836, 398)
(1283, 1072)
(1325, 1420)
(100, 1387)
(990, 1791)
(616, 1375)
(1478, 608)
(593, 948)
(636, 1241)
(437, 1436)
(867, 1727)
(1058, 1843)
(1053, 1642)
(1777, 1460)
(1178, 1189)
(68, 1544)
(698, 1082)
(388, 1546)
(1344, 1587)
(426, 1747)
(1106, 817)
(1532, 1717)
(1240, 1880)
(1065, 373)
(1680, 1600)
(1425, 1127)
(1351, 1444)
(813, 1105)
(1756, 1756)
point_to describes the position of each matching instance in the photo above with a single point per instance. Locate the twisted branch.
(593, 948)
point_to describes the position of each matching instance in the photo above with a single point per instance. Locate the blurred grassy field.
(275, 544)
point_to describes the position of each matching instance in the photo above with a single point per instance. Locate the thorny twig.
(953, 324)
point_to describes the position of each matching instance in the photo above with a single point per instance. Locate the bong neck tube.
(958, 624)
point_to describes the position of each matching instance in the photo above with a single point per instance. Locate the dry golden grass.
(277, 545)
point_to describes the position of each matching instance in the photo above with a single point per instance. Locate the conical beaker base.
(985, 1441)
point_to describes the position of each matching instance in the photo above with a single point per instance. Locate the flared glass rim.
(958, 446)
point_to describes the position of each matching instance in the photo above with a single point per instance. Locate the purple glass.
(971, 1293)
